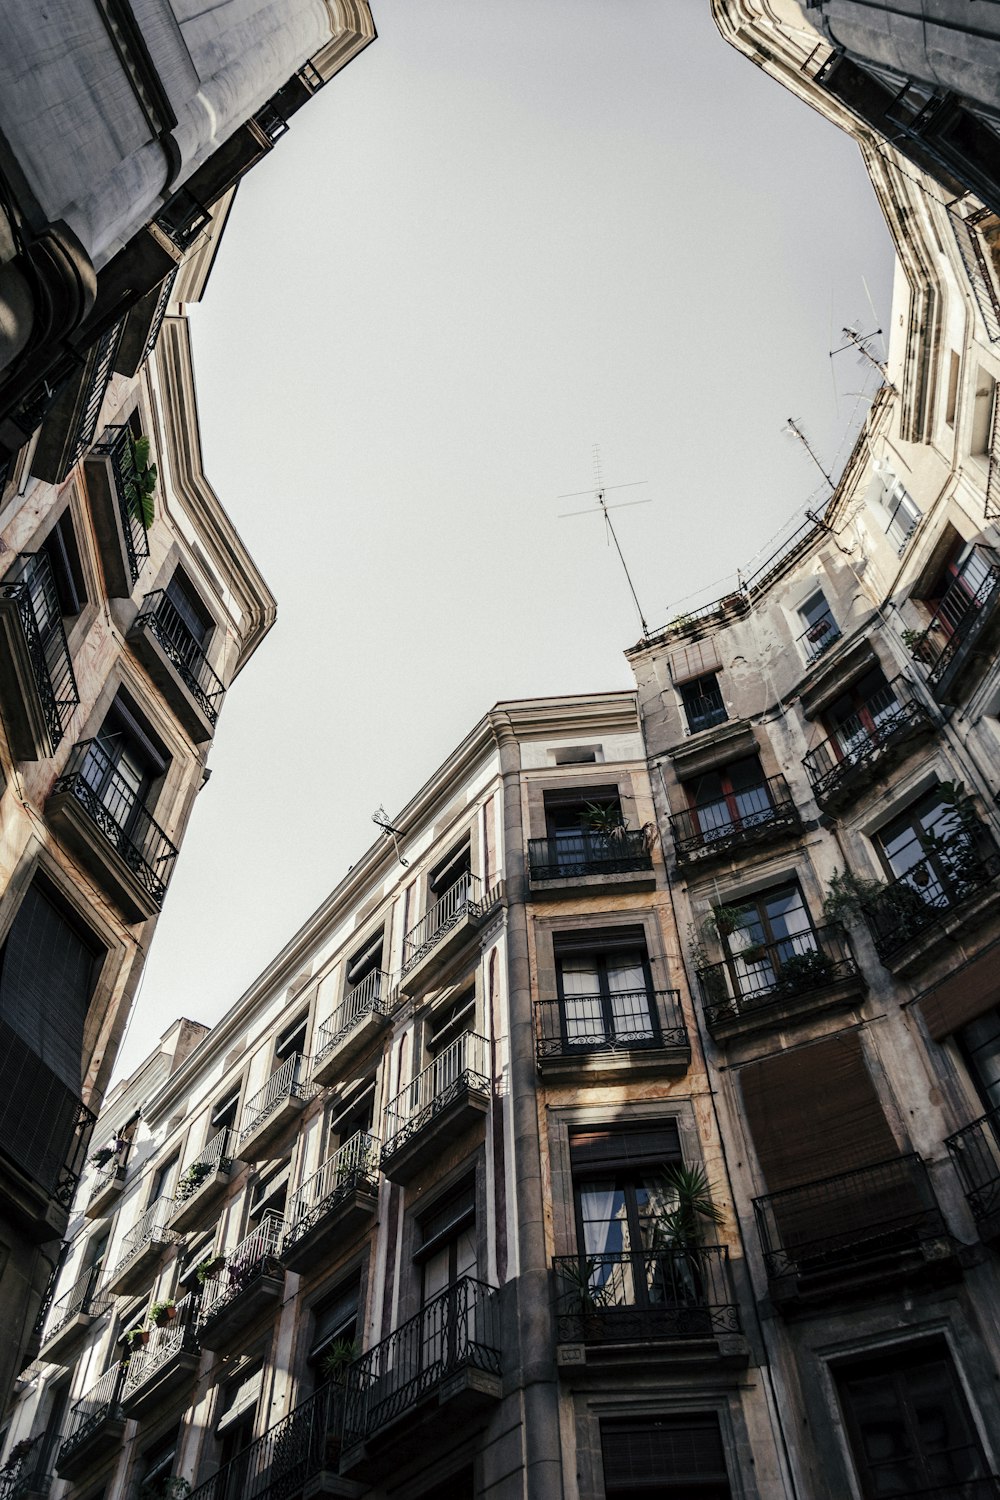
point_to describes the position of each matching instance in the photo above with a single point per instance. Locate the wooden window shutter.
(962, 997)
(646, 1454)
(814, 1112)
(694, 660)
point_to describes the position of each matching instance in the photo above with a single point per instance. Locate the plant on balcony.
(136, 1338)
(164, 1487)
(192, 1180)
(582, 1295)
(805, 971)
(19, 1451)
(140, 485)
(163, 1313)
(102, 1156)
(851, 895)
(335, 1362)
(686, 1208)
(207, 1270)
(723, 921)
(604, 818)
(916, 643)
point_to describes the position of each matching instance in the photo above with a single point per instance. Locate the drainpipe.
(539, 1393)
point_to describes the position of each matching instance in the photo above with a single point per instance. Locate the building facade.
(128, 604)
(122, 132)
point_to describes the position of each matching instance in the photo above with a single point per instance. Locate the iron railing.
(101, 1403)
(862, 741)
(987, 1487)
(626, 1021)
(254, 1257)
(819, 637)
(961, 617)
(976, 255)
(272, 122)
(462, 1067)
(735, 603)
(856, 1216)
(704, 710)
(353, 1168)
(588, 852)
(179, 1336)
(162, 619)
(374, 996)
(642, 1295)
(116, 445)
(182, 218)
(84, 1296)
(159, 313)
(746, 817)
(466, 898)
(456, 1330)
(32, 590)
(31, 1474)
(94, 780)
(975, 1150)
(151, 1229)
(100, 379)
(45, 1128)
(110, 1170)
(286, 1082)
(277, 1465)
(765, 974)
(217, 1156)
(930, 889)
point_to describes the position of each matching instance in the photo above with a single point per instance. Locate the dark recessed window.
(703, 705)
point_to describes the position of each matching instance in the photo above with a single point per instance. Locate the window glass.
(980, 1042)
(703, 705)
(606, 996)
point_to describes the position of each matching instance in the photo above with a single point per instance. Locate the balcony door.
(928, 849)
(605, 996)
(581, 827)
(772, 928)
(854, 720)
(186, 623)
(448, 1254)
(731, 797)
(121, 766)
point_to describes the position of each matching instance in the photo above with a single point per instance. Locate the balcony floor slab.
(402, 1163)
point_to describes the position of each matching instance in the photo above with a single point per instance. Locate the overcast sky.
(507, 232)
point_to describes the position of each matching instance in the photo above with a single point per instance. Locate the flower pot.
(166, 1316)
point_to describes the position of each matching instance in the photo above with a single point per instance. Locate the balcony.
(676, 1304)
(354, 1026)
(106, 1189)
(142, 1248)
(844, 1233)
(975, 1150)
(177, 664)
(744, 820)
(865, 748)
(938, 897)
(440, 1369)
(163, 1365)
(447, 928)
(111, 486)
(815, 641)
(449, 1096)
(303, 1448)
(203, 1181)
(332, 1204)
(608, 1038)
(270, 1111)
(29, 1478)
(45, 1132)
(96, 1426)
(569, 862)
(118, 840)
(38, 688)
(73, 1314)
(249, 1285)
(958, 632)
(768, 985)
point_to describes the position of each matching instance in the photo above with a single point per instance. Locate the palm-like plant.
(140, 484)
(688, 1208)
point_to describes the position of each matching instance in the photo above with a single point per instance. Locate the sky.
(506, 233)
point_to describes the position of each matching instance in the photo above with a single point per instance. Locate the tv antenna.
(599, 491)
(859, 341)
(381, 818)
(795, 429)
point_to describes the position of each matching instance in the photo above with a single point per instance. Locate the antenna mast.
(599, 492)
(796, 432)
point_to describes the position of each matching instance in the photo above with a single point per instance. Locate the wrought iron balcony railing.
(101, 1403)
(151, 1229)
(354, 1167)
(744, 818)
(958, 622)
(931, 889)
(116, 445)
(30, 1475)
(864, 741)
(763, 975)
(975, 1150)
(217, 1156)
(178, 1336)
(84, 1296)
(617, 852)
(277, 1465)
(628, 1021)
(45, 1128)
(819, 637)
(254, 1257)
(162, 619)
(290, 1081)
(466, 898)
(100, 378)
(31, 589)
(645, 1295)
(463, 1066)
(987, 1487)
(704, 711)
(93, 779)
(858, 1216)
(159, 313)
(374, 996)
(456, 1330)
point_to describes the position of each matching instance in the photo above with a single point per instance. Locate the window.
(268, 1196)
(453, 868)
(605, 988)
(448, 1249)
(730, 797)
(291, 1041)
(951, 402)
(703, 705)
(224, 1113)
(351, 1116)
(676, 1458)
(156, 1465)
(63, 555)
(771, 928)
(902, 512)
(335, 1323)
(979, 1041)
(185, 620)
(908, 1424)
(450, 1021)
(48, 968)
(928, 848)
(853, 720)
(577, 755)
(582, 830)
(960, 586)
(235, 1422)
(821, 629)
(982, 413)
(163, 1180)
(122, 764)
(363, 978)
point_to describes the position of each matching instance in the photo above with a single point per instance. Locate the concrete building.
(122, 131)
(401, 1222)
(128, 604)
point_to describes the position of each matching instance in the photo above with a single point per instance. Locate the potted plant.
(192, 1179)
(102, 1156)
(335, 1362)
(163, 1313)
(18, 1453)
(723, 921)
(604, 818)
(805, 971)
(207, 1270)
(136, 1338)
